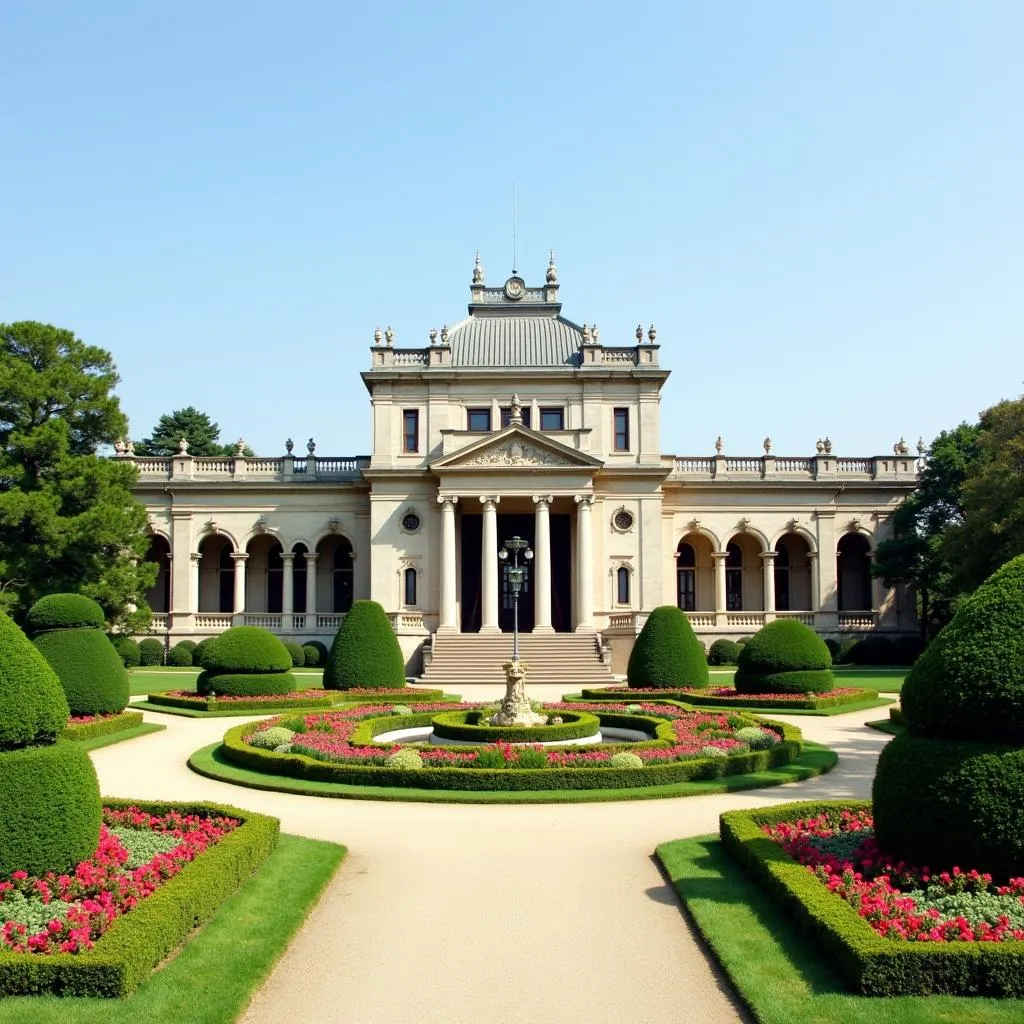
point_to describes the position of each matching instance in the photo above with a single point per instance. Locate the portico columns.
(768, 560)
(447, 616)
(240, 559)
(194, 558)
(719, 558)
(584, 565)
(288, 588)
(489, 565)
(542, 587)
(311, 557)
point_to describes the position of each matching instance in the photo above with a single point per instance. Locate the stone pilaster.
(584, 564)
(489, 565)
(447, 618)
(542, 562)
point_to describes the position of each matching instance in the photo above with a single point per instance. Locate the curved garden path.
(465, 913)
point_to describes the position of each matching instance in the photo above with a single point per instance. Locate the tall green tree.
(917, 554)
(68, 518)
(202, 434)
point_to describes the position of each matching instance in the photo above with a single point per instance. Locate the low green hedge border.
(408, 695)
(199, 705)
(235, 749)
(103, 726)
(869, 963)
(811, 703)
(141, 939)
(120, 737)
(471, 726)
(211, 763)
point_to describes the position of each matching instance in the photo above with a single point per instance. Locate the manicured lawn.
(117, 737)
(216, 974)
(887, 680)
(151, 680)
(777, 972)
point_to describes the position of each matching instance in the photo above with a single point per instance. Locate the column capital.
(448, 499)
(489, 499)
(543, 499)
(811, 554)
(240, 556)
(583, 500)
(195, 557)
(719, 555)
(312, 556)
(287, 556)
(768, 556)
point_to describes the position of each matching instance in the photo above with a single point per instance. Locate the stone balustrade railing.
(289, 467)
(816, 467)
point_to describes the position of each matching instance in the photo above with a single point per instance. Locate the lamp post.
(515, 573)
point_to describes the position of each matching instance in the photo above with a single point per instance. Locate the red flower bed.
(729, 693)
(87, 901)
(246, 699)
(898, 900)
(89, 719)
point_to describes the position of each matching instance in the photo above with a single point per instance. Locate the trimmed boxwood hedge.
(801, 681)
(667, 652)
(134, 944)
(812, 702)
(128, 651)
(94, 680)
(248, 649)
(236, 750)
(471, 726)
(321, 652)
(724, 652)
(785, 656)
(296, 652)
(151, 652)
(180, 656)
(102, 726)
(49, 808)
(366, 652)
(317, 700)
(33, 707)
(870, 963)
(246, 684)
(64, 611)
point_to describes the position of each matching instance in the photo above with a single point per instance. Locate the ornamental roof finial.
(552, 274)
(478, 271)
(516, 410)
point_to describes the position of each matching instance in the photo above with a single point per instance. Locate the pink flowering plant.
(137, 853)
(897, 899)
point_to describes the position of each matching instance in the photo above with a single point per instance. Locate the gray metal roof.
(515, 341)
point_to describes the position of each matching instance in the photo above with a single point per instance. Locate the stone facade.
(517, 421)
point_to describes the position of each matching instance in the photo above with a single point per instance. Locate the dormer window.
(478, 419)
(552, 419)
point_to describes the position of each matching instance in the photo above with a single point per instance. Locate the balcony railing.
(902, 468)
(304, 469)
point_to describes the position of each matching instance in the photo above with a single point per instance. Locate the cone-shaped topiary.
(784, 657)
(245, 661)
(667, 654)
(950, 791)
(365, 651)
(49, 794)
(67, 631)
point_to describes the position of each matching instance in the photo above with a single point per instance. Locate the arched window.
(409, 587)
(734, 578)
(782, 588)
(159, 595)
(853, 570)
(343, 576)
(622, 585)
(686, 577)
(275, 580)
(226, 580)
(299, 578)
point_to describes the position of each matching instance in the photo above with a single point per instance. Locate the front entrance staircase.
(569, 660)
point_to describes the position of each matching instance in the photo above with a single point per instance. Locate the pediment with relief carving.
(517, 448)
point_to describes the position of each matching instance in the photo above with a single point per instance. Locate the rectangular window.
(622, 585)
(621, 417)
(552, 419)
(411, 430)
(410, 588)
(478, 419)
(506, 416)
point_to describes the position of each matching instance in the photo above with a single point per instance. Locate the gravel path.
(465, 913)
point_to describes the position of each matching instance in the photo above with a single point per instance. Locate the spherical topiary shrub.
(365, 651)
(200, 650)
(873, 650)
(296, 653)
(151, 652)
(625, 759)
(757, 739)
(407, 759)
(724, 652)
(179, 656)
(321, 650)
(189, 645)
(784, 657)
(49, 794)
(950, 791)
(128, 651)
(270, 738)
(667, 654)
(311, 655)
(245, 661)
(90, 672)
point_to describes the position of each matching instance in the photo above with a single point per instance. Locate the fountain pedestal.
(515, 706)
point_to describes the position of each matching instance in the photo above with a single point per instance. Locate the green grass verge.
(887, 725)
(217, 972)
(887, 680)
(116, 737)
(838, 709)
(777, 972)
(815, 760)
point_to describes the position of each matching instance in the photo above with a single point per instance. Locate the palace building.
(518, 422)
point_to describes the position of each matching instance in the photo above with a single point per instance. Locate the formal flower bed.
(896, 899)
(241, 705)
(137, 853)
(87, 727)
(719, 696)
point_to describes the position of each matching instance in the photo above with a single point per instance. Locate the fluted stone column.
(311, 557)
(240, 559)
(584, 564)
(489, 566)
(719, 558)
(768, 561)
(447, 618)
(287, 589)
(542, 562)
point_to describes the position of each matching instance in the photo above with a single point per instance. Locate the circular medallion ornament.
(623, 520)
(515, 288)
(410, 522)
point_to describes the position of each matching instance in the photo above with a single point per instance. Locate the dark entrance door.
(561, 574)
(472, 536)
(515, 526)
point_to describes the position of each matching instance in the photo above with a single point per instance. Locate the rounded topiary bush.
(179, 656)
(407, 759)
(757, 739)
(271, 738)
(365, 651)
(784, 657)
(873, 650)
(49, 794)
(625, 759)
(128, 651)
(189, 645)
(296, 653)
(667, 654)
(311, 656)
(90, 672)
(199, 651)
(246, 661)
(724, 652)
(151, 652)
(321, 650)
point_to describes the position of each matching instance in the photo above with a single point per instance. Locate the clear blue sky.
(819, 205)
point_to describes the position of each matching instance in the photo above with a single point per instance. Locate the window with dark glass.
(342, 577)
(411, 430)
(552, 419)
(478, 419)
(299, 579)
(734, 578)
(622, 585)
(275, 580)
(621, 417)
(782, 598)
(506, 416)
(686, 577)
(410, 587)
